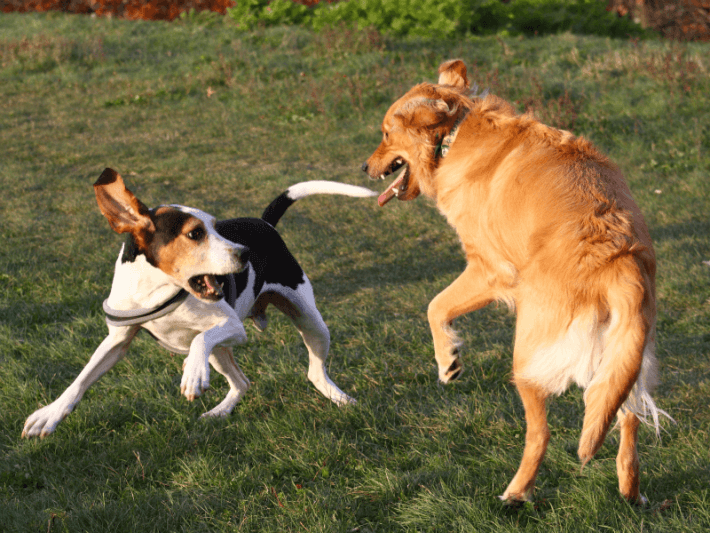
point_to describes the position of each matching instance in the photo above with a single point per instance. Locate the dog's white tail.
(275, 210)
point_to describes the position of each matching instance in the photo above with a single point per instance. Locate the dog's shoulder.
(268, 254)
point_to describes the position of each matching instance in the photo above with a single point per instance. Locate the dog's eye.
(196, 234)
(386, 136)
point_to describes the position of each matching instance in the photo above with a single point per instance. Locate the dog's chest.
(177, 330)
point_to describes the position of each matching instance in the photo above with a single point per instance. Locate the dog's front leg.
(469, 292)
(196, 368)
(44, 421)
(222, 360)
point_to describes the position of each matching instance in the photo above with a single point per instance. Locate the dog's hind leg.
(469, 292)
(300, 307)
(537, 436)
(222, 360)
(627, 460)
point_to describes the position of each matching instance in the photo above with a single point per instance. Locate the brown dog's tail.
(627, 373)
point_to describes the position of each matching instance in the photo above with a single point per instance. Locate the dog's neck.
(139, 285)
(445, 145)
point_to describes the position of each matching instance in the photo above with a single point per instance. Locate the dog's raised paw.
(195, 380)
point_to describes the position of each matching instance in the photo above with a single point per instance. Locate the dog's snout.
(365, 167)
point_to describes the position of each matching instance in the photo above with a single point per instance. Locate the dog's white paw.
(195, 377)
(216, 413)
(44, 421)
(225, 406)
(319, 378)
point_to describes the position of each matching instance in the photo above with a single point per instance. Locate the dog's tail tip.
(308, 188)
(275, 210)
(641, 404)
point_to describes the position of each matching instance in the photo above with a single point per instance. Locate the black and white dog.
(190, 281)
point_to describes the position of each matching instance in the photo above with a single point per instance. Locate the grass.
(202, 114)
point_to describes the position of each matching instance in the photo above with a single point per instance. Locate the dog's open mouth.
(399, 185)
(206, 287)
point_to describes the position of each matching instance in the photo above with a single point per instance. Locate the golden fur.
(548, 226)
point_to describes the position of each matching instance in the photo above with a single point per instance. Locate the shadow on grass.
(21, 314)
(671, 232)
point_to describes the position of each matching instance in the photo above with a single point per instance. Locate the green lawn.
(208, 116)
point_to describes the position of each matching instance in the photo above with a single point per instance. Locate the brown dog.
(549, 227)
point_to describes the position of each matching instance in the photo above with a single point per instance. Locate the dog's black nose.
(365, 166)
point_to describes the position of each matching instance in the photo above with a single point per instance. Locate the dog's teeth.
(396, 191)
(382, 176)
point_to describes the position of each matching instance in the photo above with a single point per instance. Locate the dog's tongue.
(390, 192)
(212, 286)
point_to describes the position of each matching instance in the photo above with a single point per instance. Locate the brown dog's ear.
(122, 209)
(453, 73)
(425, 112)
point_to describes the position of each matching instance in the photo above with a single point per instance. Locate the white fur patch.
(575, 357)
(578, 357)
(640, 401)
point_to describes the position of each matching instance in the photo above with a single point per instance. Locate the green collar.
(445, 145)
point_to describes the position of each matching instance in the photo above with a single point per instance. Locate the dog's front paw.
(44, 421)
(195, 377)
(452, 372)
(514, 499)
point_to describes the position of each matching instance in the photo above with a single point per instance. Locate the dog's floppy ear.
(122, 209)
(425, 112)
(453, 73)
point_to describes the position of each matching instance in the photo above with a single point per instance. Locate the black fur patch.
(268, 255)
(168, 226)
(130, 250)
(275, 210)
